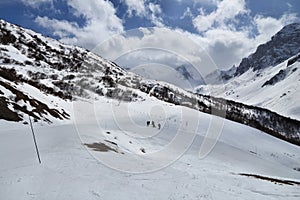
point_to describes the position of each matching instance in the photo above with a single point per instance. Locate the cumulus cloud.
(267, 26)
(137, 6)
(36, 3)
(221, 46)
(203, 2)
(164, 46)
(101, 23)
(155, 12)
(221, 31)
(227, 11)
(143, 8)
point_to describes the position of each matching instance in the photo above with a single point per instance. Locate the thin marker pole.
(34, 140)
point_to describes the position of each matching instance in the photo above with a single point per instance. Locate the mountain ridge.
(282, 46)
(44, 70)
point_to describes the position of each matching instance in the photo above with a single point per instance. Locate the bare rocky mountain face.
(41, 77)
(281, 47)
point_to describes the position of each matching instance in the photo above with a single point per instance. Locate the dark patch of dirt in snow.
(274, 180)
(100, 147)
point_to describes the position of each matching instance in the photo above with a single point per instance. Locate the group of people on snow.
(152, 123)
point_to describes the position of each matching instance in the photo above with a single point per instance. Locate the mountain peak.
(283, 45)
(289, 28)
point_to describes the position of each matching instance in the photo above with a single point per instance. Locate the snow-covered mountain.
(220, 76)
(268, 78)
(281, 47)
(183, 76)
(100, 113)
(189, 73)
(42, 77)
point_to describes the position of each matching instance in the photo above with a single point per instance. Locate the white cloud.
(143, 8)
(226, 43)
(156, 45)
(227, 47)
(101, 23)
(203, 2)
(220, 37)
(36, 3)
(187, 13)
(137, 6)
(155, 12)
(226, 11)
(267, 26)
(101, 20)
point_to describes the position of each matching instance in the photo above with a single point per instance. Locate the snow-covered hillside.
(244, 164)
(41, 77)
(276, 88)
(39, 71)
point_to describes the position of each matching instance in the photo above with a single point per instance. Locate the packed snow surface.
(72, 170)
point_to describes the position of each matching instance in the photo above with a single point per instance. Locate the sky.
(120, 30)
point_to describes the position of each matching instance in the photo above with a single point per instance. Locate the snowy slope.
(71, 170)
(276, 88)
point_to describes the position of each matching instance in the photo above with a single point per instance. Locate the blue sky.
(227, 30)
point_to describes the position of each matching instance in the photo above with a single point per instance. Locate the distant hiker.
(148, 123)
(158, 126)
(153, 124)
(143, 150)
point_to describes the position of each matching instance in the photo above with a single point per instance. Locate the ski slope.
(71, 170)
